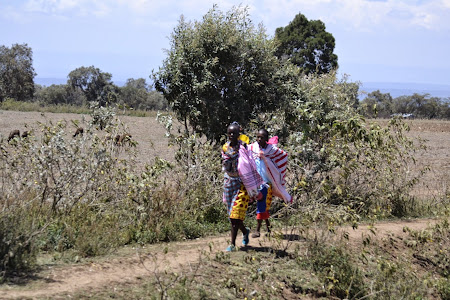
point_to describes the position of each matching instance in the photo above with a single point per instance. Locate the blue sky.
(376, 41)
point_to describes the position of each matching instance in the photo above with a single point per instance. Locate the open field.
(145, 130)
(436, 137)
(152, 141)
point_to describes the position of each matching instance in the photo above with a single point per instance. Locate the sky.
(394, 41)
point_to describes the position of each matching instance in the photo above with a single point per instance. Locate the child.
(240, 183)
(271, 165)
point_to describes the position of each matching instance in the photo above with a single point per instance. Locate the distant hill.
(406, 89)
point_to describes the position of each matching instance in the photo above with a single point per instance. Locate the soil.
(131, 265)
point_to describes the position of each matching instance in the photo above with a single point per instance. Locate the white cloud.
(68, 7)
(362, 15)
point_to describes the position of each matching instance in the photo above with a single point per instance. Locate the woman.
(240, 183)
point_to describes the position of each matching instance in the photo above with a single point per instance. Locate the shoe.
(268, 234)
(231, 248)
(245, 239)
(256, 234)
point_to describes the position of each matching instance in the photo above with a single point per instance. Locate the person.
(241, 180)
(271, 163)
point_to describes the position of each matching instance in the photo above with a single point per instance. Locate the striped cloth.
(248, 172)
(278, 157)
(275, 161)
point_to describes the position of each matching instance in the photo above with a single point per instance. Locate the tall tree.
(139, 95)
(16, 72)
(95, 84)
(218, 70)
(307, 45)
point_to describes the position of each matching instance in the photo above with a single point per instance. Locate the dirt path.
(131, 265)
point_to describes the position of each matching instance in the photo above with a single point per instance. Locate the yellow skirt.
(239, 205)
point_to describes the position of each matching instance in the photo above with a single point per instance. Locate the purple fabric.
(248, 173)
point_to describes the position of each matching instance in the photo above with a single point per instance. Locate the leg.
(258, 228)
(245, 233)
(235, 226)
(268, 225)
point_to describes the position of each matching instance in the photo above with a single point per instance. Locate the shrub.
(336, 157)
(18, 234)
(341, 276)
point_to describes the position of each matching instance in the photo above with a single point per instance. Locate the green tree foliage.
(218, 70)
(307, 45)
(59, 94)
(95, 84)
(16, 72)
(138, 94)
(382, 105)
(421, 106)
(377, 104)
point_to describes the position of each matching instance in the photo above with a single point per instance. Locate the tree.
(95, 84)
(307, 45)
(217, 71)
(139, 95)
(139, 83)
(377, 104)
(16, 72)
(54, 94)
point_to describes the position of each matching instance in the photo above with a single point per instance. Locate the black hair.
(266, 133)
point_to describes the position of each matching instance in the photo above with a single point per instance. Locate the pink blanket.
(248, 173)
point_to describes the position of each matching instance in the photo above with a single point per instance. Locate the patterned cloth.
(275, 163)
(237, 208)
(235, 194)
(248, 172)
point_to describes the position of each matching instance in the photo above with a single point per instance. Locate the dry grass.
(152, 142)
(436, 136)
(145, 130)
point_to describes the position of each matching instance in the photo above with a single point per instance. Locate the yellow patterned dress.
(235, 195)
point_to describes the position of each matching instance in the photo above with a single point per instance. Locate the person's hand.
(259, 197)
(261, 154)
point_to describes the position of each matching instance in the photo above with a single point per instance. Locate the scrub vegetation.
(77, 197)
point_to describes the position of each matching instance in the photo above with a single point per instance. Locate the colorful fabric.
(237, 207)
(262, 169)
(248, 172)
(278, 157)
(277, 185)
(273, 140)
(235, 194)
(230, 157)
(231, 186)
(244, 138)
(275, 161)
(263, 205)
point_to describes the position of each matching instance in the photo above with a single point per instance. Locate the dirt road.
(131, 265)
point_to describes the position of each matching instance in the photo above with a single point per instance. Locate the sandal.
(256, 234)
(231, 248)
